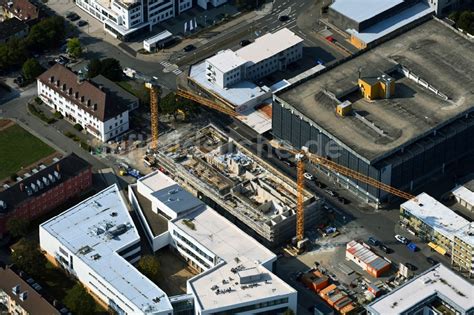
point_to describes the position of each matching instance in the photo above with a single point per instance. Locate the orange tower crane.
(154, 103)
(154, 99)
(303, 155)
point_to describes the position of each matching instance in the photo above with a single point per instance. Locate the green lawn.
(19, 148)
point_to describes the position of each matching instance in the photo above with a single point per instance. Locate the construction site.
(238, 184)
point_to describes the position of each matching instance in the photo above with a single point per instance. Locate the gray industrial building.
(400, 140)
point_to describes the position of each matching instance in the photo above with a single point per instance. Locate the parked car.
(431, 261)
(331, 193)
(385, 249)
(283, 18)
(62, 60)
(308, 176)
(72, 16)
(412, 247)
(343, 200)
(82, 23)
(189, 48)
(411, 266)
(20, 81)
(373, 241)
(401, 239)
(245, 42)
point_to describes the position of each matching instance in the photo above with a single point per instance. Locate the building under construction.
(398, 113)
(238, 184)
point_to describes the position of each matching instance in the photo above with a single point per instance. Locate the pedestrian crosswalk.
(165, 64)
(169, 67)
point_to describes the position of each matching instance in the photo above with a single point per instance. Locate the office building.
(125, 19)
(443, 229)
(235, 270)
(426, 124)
(98, 105)
(43, 189)
(438, 290)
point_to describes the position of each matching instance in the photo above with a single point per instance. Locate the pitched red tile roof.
(22, 9)
(84, 94)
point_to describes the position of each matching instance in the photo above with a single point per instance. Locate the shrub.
(78, 127)
(58, 115)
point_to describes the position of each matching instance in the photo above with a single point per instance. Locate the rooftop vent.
(51, 79)
(24, 295)
(57, 83)
(70, 91)
(16, 289)
(76, 95)
(95, 106)
(64, 87)
(88, 103)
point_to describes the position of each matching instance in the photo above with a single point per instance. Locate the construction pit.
(239, 185)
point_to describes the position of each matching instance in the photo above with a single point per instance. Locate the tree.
(48, 33)
(289, 311)
(17, 227)
(111, 69)
(78, 301)
(108, 67)
(31, 69)
(466, 19)
(168, 104)
(150, 267)
(26, 256)
(94, 68)
(74, 47)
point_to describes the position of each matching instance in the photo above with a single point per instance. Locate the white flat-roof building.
(269, 53)
(97, 242)
(236, 271)
(464, 195)
(436, 291)
(125, 18)
(439, 225)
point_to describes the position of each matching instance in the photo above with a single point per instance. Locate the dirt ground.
(174, 272)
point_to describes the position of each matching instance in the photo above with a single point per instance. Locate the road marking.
(177, 72)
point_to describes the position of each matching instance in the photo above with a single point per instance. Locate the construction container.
(361, 254)
(374, 290)
(348, 309)
(315, 281)
(342, 303)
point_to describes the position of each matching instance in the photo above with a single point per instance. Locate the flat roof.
(361, 10)
(393, 22)
(237, 94)
(268, 45)
(226, 60)
(438, 280)
(87, 225)
(412, 112)
(465, 194)
(435, 214)
(235, 248)
(158, 37)
(169, 193)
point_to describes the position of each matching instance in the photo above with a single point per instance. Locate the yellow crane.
(154, 103)
(303, 155)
